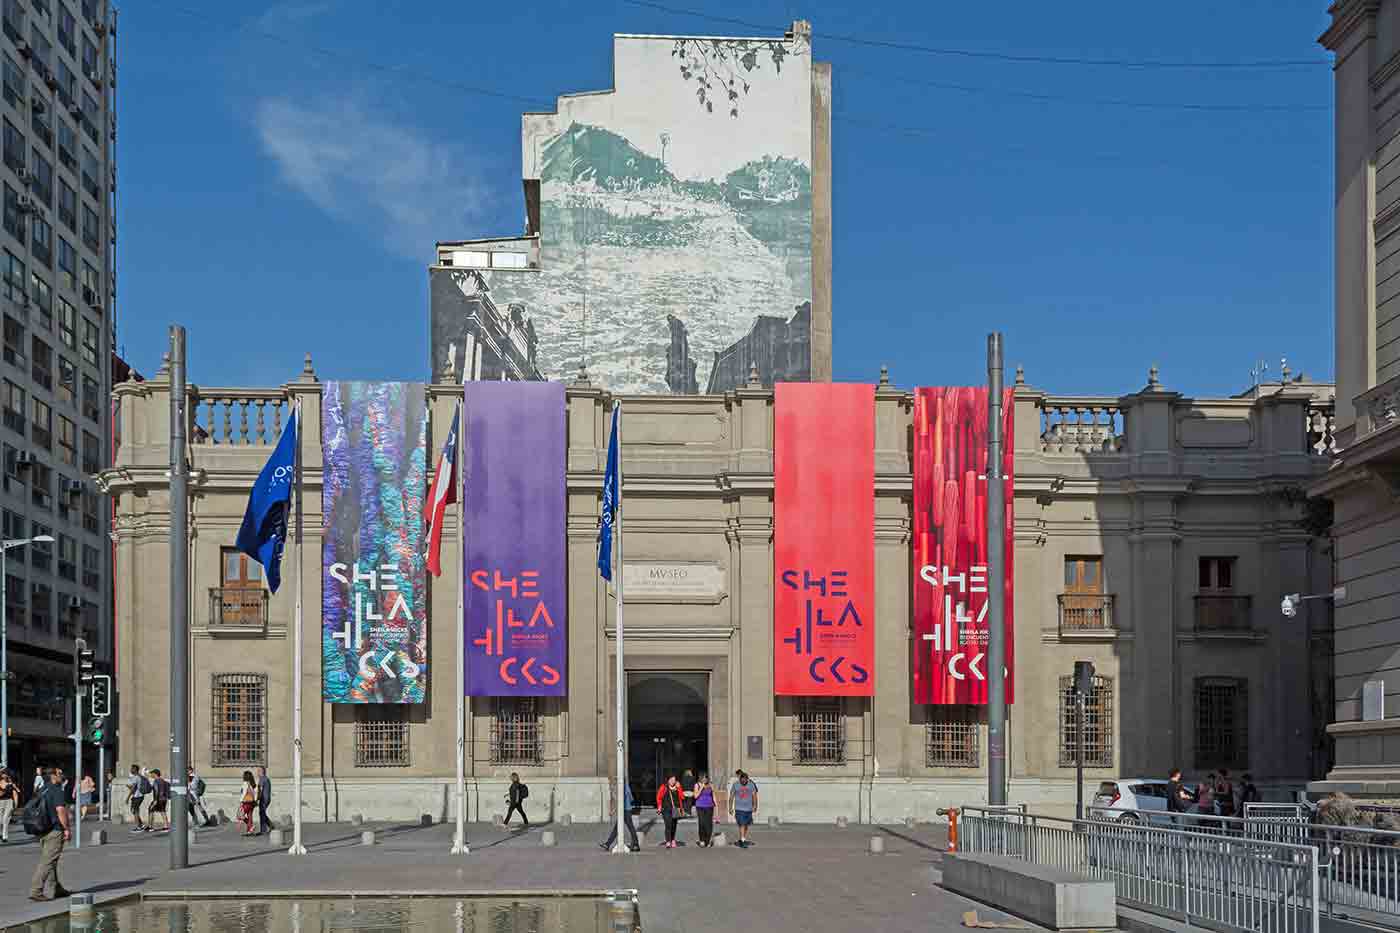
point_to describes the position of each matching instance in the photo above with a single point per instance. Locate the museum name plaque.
(673, 581)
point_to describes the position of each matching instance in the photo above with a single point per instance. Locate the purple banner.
(513, 477)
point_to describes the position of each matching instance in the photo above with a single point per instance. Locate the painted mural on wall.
(675, 221)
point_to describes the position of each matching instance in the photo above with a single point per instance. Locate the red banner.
(950, 544)
(824, 540)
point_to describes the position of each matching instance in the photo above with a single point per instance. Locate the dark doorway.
(668, 730)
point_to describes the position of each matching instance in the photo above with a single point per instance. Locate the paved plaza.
(794, 878)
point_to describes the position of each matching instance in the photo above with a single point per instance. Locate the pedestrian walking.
(195, 788)
(264, 801)
(704, 796)
(1249, 792)
(743, 805)
(515, 800)
(688, 787)
(670, 803)
(247, 802)
(627, 807)
(160, 801)
(1224, 794)
(88, 795)
(9, 803)
(106, 813)
(137, 787)
(47, 818)
(41, 781)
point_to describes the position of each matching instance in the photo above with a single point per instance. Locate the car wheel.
(1132, 819)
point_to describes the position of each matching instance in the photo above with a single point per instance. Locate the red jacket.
(676, 794)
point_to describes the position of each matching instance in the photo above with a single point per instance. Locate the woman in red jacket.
(670, 803)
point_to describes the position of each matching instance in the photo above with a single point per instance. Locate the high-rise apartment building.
(57, 284)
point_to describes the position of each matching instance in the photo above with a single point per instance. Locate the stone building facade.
(1154, 536)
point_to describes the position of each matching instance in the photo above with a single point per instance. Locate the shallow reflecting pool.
(368, 915)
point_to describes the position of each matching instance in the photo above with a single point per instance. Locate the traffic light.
(98, 731)
(82, 665)
(101, 695)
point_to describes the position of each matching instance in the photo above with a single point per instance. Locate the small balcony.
(237, 610)
(1085, 612)
(1217, 613)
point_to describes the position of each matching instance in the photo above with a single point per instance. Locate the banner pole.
(621, 846)
(996, 581)
(459, 839)
(297, 847)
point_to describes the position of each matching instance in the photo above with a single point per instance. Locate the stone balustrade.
(237, 416)
(1082, 425)
(1322, 426)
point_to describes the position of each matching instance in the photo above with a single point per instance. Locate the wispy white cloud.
(281, 15)
(366, 168)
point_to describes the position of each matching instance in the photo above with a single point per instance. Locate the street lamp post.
(5, 645)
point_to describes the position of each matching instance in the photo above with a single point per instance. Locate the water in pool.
(365, 915)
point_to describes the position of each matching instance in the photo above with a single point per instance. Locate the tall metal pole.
(621, 846)
(459, 839)
(1078, 753)
(101, 779)
(4, 666)
(996, 583)
(179, 604)
(79, 724)
(297, 848)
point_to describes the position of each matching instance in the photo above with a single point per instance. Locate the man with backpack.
(46, 817)
(195, 787)
(515, 797)
(160, 801)
(137, 789)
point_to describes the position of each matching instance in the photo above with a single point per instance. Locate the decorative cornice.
(1347, 15)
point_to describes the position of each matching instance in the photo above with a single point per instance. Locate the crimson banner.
(824, 539)
(950, 544)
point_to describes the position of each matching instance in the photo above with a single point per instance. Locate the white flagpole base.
(297, 849)
(459, 845)
(621, 849)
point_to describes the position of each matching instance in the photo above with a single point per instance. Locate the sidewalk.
(795, 879)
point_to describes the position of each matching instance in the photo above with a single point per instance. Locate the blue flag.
(611, 497)
(264, 530)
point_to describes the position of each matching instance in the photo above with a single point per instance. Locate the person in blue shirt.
(627, 807)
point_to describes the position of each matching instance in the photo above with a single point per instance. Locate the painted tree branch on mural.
(721, 68)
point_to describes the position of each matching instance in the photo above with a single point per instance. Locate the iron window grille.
(952, 737)
(381, 738)
(1222, 722)
(516, 732)
(239, 733)
(1098, 723)
(819, 732)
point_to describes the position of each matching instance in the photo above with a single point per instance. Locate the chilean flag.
(442, 494)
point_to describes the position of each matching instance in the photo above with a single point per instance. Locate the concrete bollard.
(425, 820)
(877, 845)
(98, 837)
(566, 819)
(841, 822)
(192, 837)
(720, 840)
(276, 838)
(774, 822)
(367, 838)
(547, 839)
(910, 822)
(357, 820)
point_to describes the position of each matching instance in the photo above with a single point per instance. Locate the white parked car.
(1129, 795)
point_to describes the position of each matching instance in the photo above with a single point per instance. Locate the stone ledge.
(1051, 897)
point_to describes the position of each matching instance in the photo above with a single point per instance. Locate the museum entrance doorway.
(667, 730)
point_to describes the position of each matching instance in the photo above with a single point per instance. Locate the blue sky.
(286, 168)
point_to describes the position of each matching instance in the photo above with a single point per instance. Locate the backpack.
(35, 817)
(524, 790)
(162, 790)
(198, 786)
(144, 788)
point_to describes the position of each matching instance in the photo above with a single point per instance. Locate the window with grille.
(1222, 722)
(1098, 723)
(381, 737)
(819, 732)
(516, 732)
(239, 733)
(952, 737)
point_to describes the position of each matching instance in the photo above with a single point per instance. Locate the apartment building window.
(14, 147)
(67, 144)
(41, 423)
(43, 178)
(42, 298)
(67, 558)
(41, 362)
(68, 205)
(16, 284)
(1098, 723)
(14, 19)
(14, 528)
(67, 320)
(67, 388)
(819, 732)
(381, 737)
(15, 399)
(1219, 607)
(67, 84)
(14, 84)
(14, 217)
(67, 30)
(90, 520)
(90, 10)
(89, 56)
(40, 552)
(92, 453)
(238, 736)
(92, 285)
(1216, 574)
(1222, 722)
(67, 264)
(41, 487)
(90, 175)
(41, 240)
(92, 406)
(91, 229)
(40, 605)
(516, 732)
(90, 338)
(952, 737)
(67, 442)
(92, 118)
(38, 122)
(91, 567)
(39, 43)
(14, 342)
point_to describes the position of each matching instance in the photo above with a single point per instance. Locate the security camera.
(1290, 605)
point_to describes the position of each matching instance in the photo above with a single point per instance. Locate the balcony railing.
(1082, 425)
(239, 416)
(237, 609)
(1086, 612)
(1216, 613)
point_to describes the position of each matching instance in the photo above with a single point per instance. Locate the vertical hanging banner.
(950, 544)
(824, 539)
(374, 633)
(514, 571)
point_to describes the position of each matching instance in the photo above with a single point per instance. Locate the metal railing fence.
(1222, 882)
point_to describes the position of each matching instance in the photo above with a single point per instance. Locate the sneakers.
(138, 830)
(61, 891)
(604, 846)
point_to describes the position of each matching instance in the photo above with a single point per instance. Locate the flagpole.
(621, 847)
(297, 847)
(459, 840)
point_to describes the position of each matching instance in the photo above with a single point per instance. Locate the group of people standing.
(1217, 795)
(674, 802)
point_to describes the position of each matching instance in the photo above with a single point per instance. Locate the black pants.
(517, 807)
(705, 819)
(671, 818)
(631, 831)
(264, 824)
